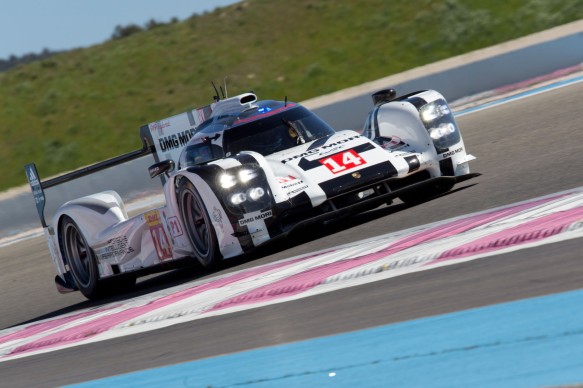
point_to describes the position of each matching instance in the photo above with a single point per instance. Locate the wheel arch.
(92, 214)
(402, 116)
(201, 179)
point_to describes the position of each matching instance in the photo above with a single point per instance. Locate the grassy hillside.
(86, 105)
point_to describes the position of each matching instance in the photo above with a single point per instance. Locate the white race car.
(241, 172)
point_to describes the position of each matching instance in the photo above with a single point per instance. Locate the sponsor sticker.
(34, 184)
(321, 150)
(159, 126)
(249, 218)
(174, 225)
(343, 161)
(451, 153)
(393, 143)
(297, 191)
(285, 179)
(175, 140)
(217, 215)
(116, 247)
(331, 150)
(159, 237)
(293, 184)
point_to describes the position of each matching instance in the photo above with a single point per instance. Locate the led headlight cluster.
(441, 131)
(228, 180)
(246, 188)
(434, 111)
(439, 122)
(253, 194)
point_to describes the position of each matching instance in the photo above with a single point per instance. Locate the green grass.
(86, 105)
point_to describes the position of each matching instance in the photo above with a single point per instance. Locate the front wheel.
(199, 228)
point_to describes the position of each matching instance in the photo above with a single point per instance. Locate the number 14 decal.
(343, 161)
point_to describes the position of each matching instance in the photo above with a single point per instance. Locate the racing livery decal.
(309, 163)
(161, 243)
(285, 179)
(115, 248)
(249, 218)
(175, 228)
(321, 150)
(342, 161)
(393, 143)
(451, 153)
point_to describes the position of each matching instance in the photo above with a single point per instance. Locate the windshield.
(199, 153)
(276, 133)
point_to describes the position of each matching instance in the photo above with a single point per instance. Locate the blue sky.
(31, 25)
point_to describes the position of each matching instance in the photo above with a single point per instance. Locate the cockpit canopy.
(265, 127)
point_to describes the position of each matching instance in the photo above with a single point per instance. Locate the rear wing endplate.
(37, 191)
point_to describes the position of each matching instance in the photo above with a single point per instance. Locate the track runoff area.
(421, 350)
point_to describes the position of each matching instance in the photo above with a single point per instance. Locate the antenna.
(225, 82)
(216, 96)
(222, 91)
(285, 104)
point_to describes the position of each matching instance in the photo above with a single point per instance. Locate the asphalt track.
(525, 149)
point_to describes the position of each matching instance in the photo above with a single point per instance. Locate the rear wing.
(165, 139)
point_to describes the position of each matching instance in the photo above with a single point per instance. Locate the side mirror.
(161, 168)
(383, 96)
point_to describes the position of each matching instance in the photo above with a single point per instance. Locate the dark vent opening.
(247, 99)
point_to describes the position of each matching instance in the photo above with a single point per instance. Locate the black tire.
(83, 264)
(197, 222)
(415, 197)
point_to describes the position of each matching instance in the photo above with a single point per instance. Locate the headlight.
(245, 189)
(227, 181)
(255, 193)
(246, 175)
(441, 131)
(238, 198)
(434, 111)
(440, 124)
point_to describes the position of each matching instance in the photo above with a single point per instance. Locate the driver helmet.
(268, 142)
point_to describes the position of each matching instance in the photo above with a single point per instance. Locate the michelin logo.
(252, 218)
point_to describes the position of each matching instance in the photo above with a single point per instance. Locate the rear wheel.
(83, 264)
(80, 257)
(199, 228)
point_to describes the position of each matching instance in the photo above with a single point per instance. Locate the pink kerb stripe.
(100, 325)
(307, 280)
(29, 331)
(529, 232)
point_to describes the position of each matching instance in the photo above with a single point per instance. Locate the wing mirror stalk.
(160, 168)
